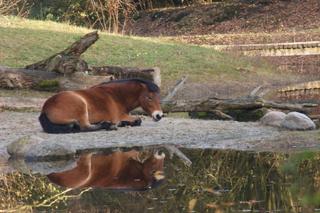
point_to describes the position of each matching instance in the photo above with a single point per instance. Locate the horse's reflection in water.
(119, 171)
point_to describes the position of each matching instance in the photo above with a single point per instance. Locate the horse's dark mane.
(152, 87)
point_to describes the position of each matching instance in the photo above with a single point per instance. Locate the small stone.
(20, 147)
(33, 148)
(297, 121)
(47, 151)
(41, 167)
(273, 118)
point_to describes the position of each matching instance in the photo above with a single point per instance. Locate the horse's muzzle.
(157, 115)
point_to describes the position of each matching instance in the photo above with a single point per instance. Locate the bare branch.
(255, 91)
(175, 89)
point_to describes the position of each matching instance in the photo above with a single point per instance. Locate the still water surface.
(141, 180)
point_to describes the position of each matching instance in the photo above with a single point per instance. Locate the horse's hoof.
(105, 124)
(124, 123)
(137, 122)
(113, 127)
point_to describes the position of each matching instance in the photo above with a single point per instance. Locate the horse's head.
(150, 102)
(153, 169)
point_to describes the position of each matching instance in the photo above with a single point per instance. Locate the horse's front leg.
(128, 120)
(97, 126)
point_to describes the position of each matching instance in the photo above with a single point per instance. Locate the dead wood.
(175, 89)
(152, 74)
(220, 106)
(68, 61)
(19, 78)
(66, 71)
(175, 151)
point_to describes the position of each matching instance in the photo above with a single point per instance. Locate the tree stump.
(68, 61)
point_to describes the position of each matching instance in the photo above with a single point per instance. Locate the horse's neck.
(128, 96)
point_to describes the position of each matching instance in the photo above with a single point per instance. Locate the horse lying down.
(123, 171)
(104, 106)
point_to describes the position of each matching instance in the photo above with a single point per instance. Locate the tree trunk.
(66, 71)
(68, 61)
(18, 78)
(222, 106)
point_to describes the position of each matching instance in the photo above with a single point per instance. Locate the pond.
(144, 179)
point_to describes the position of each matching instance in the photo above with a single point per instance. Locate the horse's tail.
(50, 127)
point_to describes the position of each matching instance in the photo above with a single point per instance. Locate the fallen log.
(218, 106)
(152, 74)
(68, 61)
(228, 104)
(19, 78)
(66, 71)
(221, 107)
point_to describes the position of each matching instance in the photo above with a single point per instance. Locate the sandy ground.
(21, 103)
(187, 133)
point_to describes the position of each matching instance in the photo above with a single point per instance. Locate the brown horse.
(119, 170)
(103, 106)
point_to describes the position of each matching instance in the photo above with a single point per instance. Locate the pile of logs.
(66, 70)
(221, 108)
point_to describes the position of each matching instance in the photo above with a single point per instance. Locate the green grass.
(25, 93)
(23, 42)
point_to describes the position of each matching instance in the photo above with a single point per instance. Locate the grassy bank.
(26, 41)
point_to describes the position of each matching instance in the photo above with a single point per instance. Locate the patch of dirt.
(302, 65)
(249, 38)
(229, 17)
(240, 22)
(21, 103)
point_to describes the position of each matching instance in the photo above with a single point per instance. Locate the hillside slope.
(233, 17)
(210, 72)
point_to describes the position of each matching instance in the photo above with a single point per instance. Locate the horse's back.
(75, 177)
(64, 107)
(62, 98)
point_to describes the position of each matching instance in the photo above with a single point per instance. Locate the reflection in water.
(119, 170)
(218, 180)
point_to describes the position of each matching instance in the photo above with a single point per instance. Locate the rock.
(273, 118)
(20, 147)
(19, 164)
(35, 148)
(47, 167)
(297, 121)
(41, 167)
(49, 152)
(186, 133)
